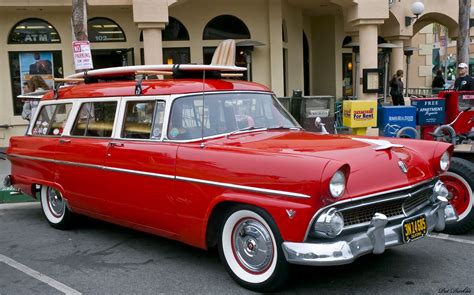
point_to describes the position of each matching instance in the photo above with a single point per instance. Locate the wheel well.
(214, 222)
(35, 189)
(465, 156)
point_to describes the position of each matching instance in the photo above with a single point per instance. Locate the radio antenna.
(202, 115)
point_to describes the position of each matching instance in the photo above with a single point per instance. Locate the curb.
(6, 197)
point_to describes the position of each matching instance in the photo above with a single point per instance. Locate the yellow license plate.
(414, 228)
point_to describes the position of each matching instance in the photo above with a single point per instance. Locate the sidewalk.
(5, 196)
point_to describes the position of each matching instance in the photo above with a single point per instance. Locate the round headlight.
(329, 224)
(337, 185)
(444, 162)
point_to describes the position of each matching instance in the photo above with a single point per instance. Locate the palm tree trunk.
(463, 40)
(79, 20)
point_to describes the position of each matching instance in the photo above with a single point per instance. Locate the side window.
(95, 119)
(52, 119)
(143, 119)
(159, 119)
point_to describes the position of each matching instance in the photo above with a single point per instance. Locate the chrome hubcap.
(55, 202)
(253, 245)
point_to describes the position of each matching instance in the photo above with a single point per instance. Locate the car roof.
(153, 87)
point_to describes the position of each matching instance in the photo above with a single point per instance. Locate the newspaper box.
(393, 118)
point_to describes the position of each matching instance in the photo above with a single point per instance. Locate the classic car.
(215, 162)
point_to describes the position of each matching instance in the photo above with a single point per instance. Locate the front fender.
(291, 228)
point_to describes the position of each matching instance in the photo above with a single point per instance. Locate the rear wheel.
(460, 183)
(250, 248)
(55, 208)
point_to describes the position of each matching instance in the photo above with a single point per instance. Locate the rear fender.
(26, 185)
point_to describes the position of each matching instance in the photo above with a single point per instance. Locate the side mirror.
(319, 123)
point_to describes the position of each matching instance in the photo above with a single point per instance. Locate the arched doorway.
(105, 30)
(40, 56)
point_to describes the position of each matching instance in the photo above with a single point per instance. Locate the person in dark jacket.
(463, 82)
(396, 89)
(438, 81)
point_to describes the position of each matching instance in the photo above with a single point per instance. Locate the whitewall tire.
(55, 208)
(250, 248)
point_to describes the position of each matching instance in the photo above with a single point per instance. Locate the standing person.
(438, 81)
(35, 84)
(463, 82)
(396, 89)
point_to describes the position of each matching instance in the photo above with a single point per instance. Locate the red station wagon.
(220, 162)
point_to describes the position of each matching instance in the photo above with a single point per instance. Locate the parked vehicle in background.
(460, 177)
(213, 162)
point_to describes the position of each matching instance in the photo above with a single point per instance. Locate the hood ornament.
(403, 166)
(380, 143)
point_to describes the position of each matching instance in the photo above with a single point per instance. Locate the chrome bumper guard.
(377, 237)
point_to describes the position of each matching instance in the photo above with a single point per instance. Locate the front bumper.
(378, 236)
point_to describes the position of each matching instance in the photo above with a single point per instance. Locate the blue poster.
(38, 64)
(429, 111)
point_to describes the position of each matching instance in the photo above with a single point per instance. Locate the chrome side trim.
(167, 176)
(151, 174)
(364, 198)
(244, 187)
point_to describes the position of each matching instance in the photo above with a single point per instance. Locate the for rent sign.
(82, 55)
(360, 113)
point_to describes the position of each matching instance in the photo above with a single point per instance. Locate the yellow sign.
(359, 113)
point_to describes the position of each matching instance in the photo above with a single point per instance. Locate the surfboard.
(131, 70)
(37, 95)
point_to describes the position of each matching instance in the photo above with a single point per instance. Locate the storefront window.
(226, 27)
(35, 69)
(174, 31)
(33, 31)
(101, 29)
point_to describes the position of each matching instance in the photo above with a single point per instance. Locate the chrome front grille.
(402, 203)
(413, 202)
(365, 213)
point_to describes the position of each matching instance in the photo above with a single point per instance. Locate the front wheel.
(250, 248)
(459, 181)
(55, 208)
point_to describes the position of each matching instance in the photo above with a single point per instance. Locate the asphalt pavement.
(100, 258)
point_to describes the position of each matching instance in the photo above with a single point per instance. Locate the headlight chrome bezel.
(337, 184)
(444, 162)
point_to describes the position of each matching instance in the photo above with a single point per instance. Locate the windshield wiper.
(285, 127)
(248, 128)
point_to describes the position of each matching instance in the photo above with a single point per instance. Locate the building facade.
(318, 46)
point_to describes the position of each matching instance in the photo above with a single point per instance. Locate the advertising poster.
(36, 64)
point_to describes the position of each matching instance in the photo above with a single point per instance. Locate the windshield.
(225, 113)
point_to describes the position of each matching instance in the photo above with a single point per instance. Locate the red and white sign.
(82, 55)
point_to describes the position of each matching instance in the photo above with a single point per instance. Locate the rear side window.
(143, 119)
(95, 119)
(52, 119)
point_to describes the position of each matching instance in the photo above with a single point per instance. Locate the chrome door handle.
(62, 140)
(116, 144)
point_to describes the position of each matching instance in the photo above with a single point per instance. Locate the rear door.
(81, 154)
(142, 167)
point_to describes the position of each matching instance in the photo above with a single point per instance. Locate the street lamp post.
(247, 47)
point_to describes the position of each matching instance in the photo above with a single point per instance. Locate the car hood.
(374, 162)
